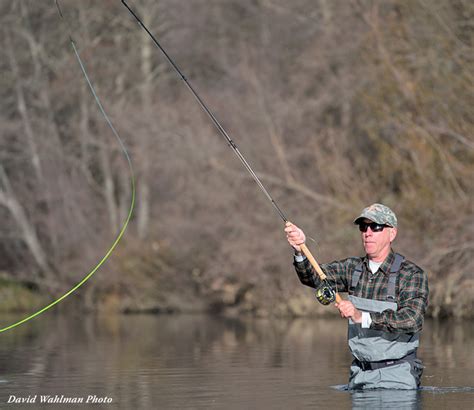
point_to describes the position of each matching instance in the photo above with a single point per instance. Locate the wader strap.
(385, 363)
(356, 276)
(392, 279)
(397, 262)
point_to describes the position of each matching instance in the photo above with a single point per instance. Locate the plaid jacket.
(411, 289)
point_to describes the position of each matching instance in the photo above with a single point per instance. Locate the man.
(388, 296)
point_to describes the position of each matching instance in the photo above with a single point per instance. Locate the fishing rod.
(325, 293)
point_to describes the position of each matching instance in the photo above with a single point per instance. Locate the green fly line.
(132, 202)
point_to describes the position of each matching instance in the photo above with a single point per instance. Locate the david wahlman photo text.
(59, 399)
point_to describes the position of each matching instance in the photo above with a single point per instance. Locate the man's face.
(377, 244)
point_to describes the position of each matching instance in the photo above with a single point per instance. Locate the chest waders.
(382, 359)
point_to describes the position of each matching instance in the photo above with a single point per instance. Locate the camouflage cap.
(380, 214)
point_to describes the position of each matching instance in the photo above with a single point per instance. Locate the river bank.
(169, 293)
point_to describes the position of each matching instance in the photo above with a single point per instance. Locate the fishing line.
(223, 132)
(132, 183)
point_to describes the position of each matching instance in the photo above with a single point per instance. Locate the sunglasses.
(374, 227)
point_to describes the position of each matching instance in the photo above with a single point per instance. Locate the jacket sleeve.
(306, 273)
(336, 272)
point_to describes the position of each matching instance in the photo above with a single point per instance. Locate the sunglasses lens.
(374, 227)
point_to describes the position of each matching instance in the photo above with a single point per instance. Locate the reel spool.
(325, 294)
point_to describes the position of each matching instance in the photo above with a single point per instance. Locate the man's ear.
(393, 234)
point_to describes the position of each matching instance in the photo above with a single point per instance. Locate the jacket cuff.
(299, 258)
(366, 320)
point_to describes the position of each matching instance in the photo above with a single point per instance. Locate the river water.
(203, 362)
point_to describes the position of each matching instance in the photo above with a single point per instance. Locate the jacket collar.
(386, 264)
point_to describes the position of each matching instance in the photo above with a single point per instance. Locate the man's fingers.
(345, 308)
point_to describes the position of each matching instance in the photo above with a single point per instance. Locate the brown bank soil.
(186, 288)
(136, 287)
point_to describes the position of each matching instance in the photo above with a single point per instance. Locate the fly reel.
(325, 294)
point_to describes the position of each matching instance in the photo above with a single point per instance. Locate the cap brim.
(359, 219)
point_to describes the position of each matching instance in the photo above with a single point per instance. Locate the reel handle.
(316, 266)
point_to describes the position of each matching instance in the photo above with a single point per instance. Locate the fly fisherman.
(388, 296)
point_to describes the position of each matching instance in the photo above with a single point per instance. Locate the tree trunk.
(28, 231)
(143, 191)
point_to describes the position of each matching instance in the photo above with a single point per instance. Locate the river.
(205, 362)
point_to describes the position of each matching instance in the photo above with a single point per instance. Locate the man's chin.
(369, 250)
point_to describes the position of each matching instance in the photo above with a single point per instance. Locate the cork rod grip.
(316, 266)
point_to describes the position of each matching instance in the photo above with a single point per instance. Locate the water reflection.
(386, 399)
(179, 362)
(382, 399)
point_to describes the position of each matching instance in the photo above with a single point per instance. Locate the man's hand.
(295, 236)
(348, 310)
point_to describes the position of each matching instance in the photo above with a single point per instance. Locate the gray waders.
(382, 359)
